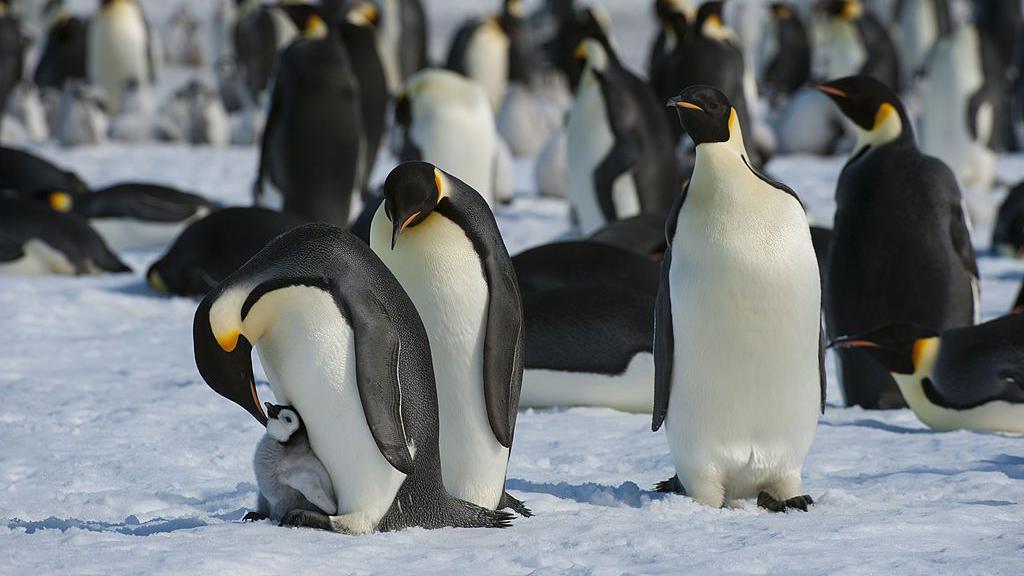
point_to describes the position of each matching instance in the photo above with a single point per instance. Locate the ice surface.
(115, 457)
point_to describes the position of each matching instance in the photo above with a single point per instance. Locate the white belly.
(38, 259)
(997, 416)
(309, 357)
(118, 51)
(460, 141)
(918, 32)
(631, 391)
(389, 43)
(590, 139)
(128, 234)
(436, 264)
(487, 62)
(745, 299)
(845, 55)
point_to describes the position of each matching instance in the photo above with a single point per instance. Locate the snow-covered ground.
(116, 458)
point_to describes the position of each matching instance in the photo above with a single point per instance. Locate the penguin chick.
(288, 473)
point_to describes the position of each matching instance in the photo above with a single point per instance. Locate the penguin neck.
(912, 385)
(891, 125)
(714, 154)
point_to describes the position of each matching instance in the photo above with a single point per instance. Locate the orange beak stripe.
(689, 105)
(830, 90)
(857, 344)
(408, 221)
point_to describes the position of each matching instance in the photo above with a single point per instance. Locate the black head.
(864, 100)
(308, 18)
(705, 113)
(671, 16)
(782, 10)
(710, 11)
(274, 411)
(843, 9)
(225, 362)
(411, 192)
(896, 347)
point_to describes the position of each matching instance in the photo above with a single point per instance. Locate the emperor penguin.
(901, 246)
(257, 32)
(341, 341)
(119, 49)
(785, 53)
(584, 263)
(403, 35)
(211, 248)
(444, 118)
(64, 48)
(966, 378)
(359, 35)
(620, 151)
(739, 372)
(958, 119)
(288, 474)
(674, 17)
(439, 238)
(135, 215)
(35, 240)
(856, 43)
(313, 152)
(920, 25)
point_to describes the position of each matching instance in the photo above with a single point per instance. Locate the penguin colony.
(393, 316)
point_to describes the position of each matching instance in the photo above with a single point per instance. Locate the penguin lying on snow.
(589, 345)
(969, 378)
(36, 240)
(1008, 234)
(584, 263)
(25, 175)
(211, 248)
(643, 234)
(288, 473)
(135, 215)
(439, 238)
(739, 371)
(901, 248)
(342, 342)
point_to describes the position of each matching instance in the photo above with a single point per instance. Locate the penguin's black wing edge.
(503, 363)
(664, 338)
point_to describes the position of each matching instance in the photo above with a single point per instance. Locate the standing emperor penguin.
(313, 152)
(785, 53)
(621, 154)
(858, 43)
(64, 49)
(739, 375)
(901, 247)
(403, 35)
(120, 49)
(439, 238)
(359, 35)
(920, 25)
(958, 118)
(444, 118)
(341, 342)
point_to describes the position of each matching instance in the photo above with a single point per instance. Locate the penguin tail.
(470, 515)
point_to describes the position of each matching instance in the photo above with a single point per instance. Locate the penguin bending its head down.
(342, 342)
(135, 215)
(739, 372)
(901, 247)
(439, 238)
(35, 240)
(969, 378)
(313, 152)
(444, 118)
(211, 248)
(621, 153)
(288, 474)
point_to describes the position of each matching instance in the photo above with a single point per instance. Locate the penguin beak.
(830, 91)
(846, 342)
(399, 227)
(677, 103)
(225, 363)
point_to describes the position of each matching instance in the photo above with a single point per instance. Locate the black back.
(211, 249)
(12, 55)
(141, 201)
(980, 364)
(643, 234)
(900, 253)
(361, 45)
(790, 69)
(882, 61)
(591, 329)
(583, 264)
(1008, 233)
(71, 235)
(63, 57)
(25, 175)
(313, 139)
(255, 41)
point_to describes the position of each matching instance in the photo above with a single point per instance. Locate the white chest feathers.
(436, 264)
(745, 299)
(590, 139)
(118, 49)
(487, 61)
(845, 53)
(307, 349)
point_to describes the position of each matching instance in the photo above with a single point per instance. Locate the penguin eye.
(288, 419)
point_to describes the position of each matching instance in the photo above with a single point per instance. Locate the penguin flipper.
(619, 160)
(664, 339)
(821, 363)
(378, 347)
(268, 128)
(307, 483)
(503, 364)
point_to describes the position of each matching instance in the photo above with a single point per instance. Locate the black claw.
(511, 502)
(254, 517)
(800, 502)
(671, 486)
(768, 502)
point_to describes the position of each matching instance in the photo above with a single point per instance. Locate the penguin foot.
(671, 486)
(254, 516)
(768, 502)
(472, 516)
(509, 502)
(306, 519)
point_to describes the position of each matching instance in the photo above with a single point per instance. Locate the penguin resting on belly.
(739, 373)
(439, 238)
(341, 342)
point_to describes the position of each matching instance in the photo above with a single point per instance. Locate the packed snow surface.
(116, 458)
